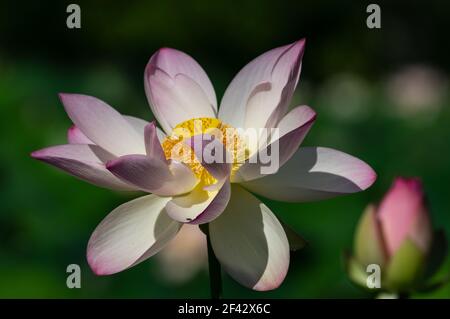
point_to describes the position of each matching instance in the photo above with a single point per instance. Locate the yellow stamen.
(175, 149)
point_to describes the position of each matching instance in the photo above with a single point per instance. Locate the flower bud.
(403, 215)
(398, 237)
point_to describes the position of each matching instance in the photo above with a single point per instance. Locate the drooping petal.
(285, 141)
(102, 124)
(250, 242)
(177, 89)
(259, 94)
(153, 175)
(75, 136)
(130, 234)
(83, 161)
(315, 173)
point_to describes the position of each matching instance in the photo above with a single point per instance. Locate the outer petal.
(177, 89)
(153, 175)
(102, 124)
(250, 242)
(75, 136)
(259, 94)
(130, 234)
(315, 173)
(369, 245)
(137, 123)
(83, 161)
(292, 130)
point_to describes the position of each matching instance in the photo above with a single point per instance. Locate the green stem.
(215, 276)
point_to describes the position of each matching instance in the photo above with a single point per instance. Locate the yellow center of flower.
(175, 149)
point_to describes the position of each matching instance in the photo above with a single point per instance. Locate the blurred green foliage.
(47, 216)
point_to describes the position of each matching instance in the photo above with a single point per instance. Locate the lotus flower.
(398, 236)
(125, 153)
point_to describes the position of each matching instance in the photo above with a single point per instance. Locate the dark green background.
(47, 216)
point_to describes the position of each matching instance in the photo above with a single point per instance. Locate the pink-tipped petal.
(291, 132)
(177, 89)
(153, 175)
(250, 242)
(84, 161)
(102, 124)
(403, 215)
(130, 234)
(315, 173)
(152, 144)
(260, 93)
(175, 62)
(75, 136)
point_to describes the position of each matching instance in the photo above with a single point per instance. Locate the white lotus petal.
(174, 92)
(315, 173)
(84, 161)
(200, 206)
(259, 94)
(153, 175)
(130, 234)
(250, 242)
(102, 124)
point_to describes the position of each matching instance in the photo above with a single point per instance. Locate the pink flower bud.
(403, 215)
(397, 236)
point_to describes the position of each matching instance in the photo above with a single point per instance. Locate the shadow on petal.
(250, 242)
(315, 173)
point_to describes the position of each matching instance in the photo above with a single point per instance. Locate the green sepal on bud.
(405, 269)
